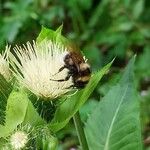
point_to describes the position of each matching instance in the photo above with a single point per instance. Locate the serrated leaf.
(45, 33)
(52, 35)
(15, 112)
(70, 106)
(56, 37)
(19, 110)
(16, 108)
(5, 89)
(115, 124)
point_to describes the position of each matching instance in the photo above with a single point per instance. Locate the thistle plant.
(36, 67)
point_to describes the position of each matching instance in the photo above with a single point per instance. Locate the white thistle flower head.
(22, 137)
(39, 66)
(18, 140)
(4, 65)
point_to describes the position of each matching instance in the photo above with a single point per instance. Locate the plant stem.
(80, 131)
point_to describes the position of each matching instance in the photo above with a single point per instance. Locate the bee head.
(68, 60)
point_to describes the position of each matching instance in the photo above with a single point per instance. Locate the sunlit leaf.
(15, 112)
(19, 110)
(56, 37)
(52, 35)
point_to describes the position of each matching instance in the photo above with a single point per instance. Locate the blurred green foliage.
(103, 29)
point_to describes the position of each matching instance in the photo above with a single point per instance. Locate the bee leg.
(62, 80)
(71, 86)
(61, 69)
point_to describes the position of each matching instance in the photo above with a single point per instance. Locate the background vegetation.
(103, 30)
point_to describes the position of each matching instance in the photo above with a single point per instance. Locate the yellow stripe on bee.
(84, 79)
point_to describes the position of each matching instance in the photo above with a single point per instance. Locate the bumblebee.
(78, 68)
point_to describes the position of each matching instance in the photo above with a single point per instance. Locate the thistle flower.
(21, 138)
(4, 65)
(37, 66)
(18, 140)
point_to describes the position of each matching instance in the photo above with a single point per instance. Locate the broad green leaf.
(19, 110)
(72, 104)
(15, 112)
(3, 131)
(115, 124)
(87, 108)
(16, 108)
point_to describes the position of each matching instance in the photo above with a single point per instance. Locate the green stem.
(80, 131)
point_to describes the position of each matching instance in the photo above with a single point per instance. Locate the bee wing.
(75, 53)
